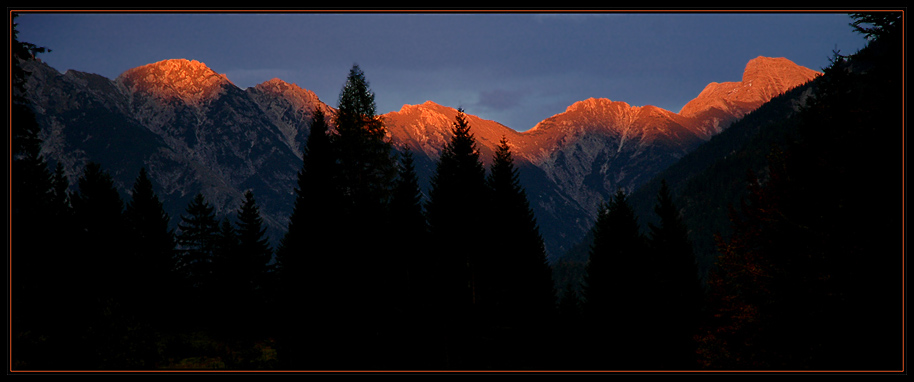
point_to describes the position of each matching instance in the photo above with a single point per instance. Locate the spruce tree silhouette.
(365, 176)
(254, 243)
(677, 286)
(225, 289)
(411, 230)
(98, 210)
(414, 275)
(248, 268)
(196, 244)
(366, 164)
(457, 207)
(196, 240)
(523, 291)
(616, 289)
(305, 269)
(152, 244)
(522, 274)
(349, 223)
(316, 204)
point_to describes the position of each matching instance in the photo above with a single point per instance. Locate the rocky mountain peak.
(299, 98)
(773, 76)
(595, 105)
(278, 86)
(188, 80)
(762, 67)
(763, 79)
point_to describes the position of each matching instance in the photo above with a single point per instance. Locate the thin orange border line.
(474, 11)
(903, 183)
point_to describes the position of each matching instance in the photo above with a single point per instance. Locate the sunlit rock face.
(195, 131)
(190, 81)
(764, 78)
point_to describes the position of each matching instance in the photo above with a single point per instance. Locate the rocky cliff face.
(197, 132)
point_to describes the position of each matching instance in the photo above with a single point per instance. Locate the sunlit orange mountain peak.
(188, 80)
(763, 79)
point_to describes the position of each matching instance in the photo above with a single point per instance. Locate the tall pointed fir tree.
(227, 265)
(152, 246)
(616, 289)
(677, 284)
(101, 305)
(253, 243)
(410, 230)
(524, 289)
(367, 167)
(517, 269)
(314, 210)
(196, 243)
(224, 290)
(458, 198)
(250, 268)
(306, 271)
(366, 172)
(98, 210)
(413, 270)
(456, 210)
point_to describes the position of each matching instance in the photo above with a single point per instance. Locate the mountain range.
(194, 131)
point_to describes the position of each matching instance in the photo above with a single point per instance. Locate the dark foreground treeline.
(375, 275)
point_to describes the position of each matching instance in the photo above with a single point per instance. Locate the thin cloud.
(499, 99)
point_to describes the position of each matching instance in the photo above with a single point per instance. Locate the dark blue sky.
(514, 68)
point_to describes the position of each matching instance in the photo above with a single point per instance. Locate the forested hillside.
(795, 215)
